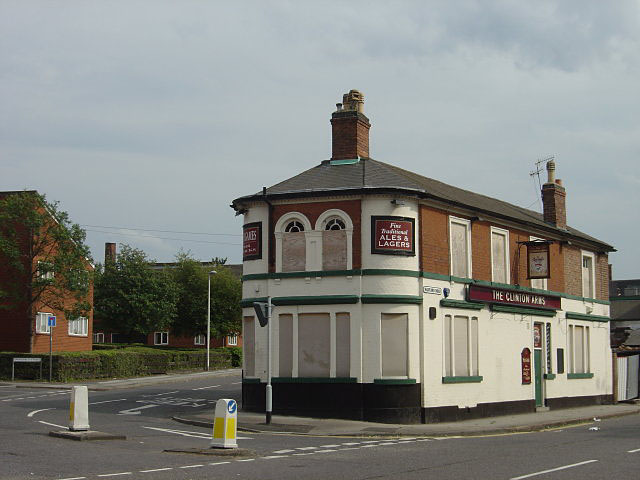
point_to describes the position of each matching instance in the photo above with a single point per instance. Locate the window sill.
(549, 376)
(474, 379)
(43, 333)
(314, 380)
(394, 381)
(77, 335)
(571, 376)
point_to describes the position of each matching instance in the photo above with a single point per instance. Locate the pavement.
(255, 422)
(508, 424)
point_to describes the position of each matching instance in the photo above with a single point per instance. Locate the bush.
(118, 363)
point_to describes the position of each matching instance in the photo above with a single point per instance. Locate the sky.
(145, 119)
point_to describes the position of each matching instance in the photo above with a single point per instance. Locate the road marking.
(349, 448)
(136, 410)
(204, 388)
(388, 443)
(633, 451)
(156, 470)
(326, 451)
(192, 466)
(283, 451)
(329, 446)
(108, 401)
(554, 470)
(31, 414)
(247, 460)
(236, 383)
(369, 446)
(372, 441)
(351, 443)
(307, 448)
(160, 394)
(301, 454)
(182, 433)
(72, 478)
(52, 424)
(269, 457)
(114, 474)
(218, 463)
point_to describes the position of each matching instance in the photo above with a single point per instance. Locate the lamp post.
(212, 272)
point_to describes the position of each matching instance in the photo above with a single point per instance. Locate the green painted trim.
(473, 379)
(572, 376)
(413, 299)
(583, 299)
(347, 161)
(251, 380)
(630, 297)
(435, 276)
(314, 380)
(394, 381)
(589, 318)
(549, 376)
(248, 302)
(523, 311)
(390, 271)
(445, 302)
(316, 300)
(461, 279)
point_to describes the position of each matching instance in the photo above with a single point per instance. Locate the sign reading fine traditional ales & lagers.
(393, 235)
(252, 241)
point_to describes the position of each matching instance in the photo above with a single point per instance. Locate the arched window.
(294, 226)
(337, 231)
(334, 224)
(291, 232)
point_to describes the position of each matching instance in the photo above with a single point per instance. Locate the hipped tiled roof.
(371, 176)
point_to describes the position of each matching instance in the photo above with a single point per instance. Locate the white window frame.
(586, 348)
(543, 281)
(42, 323)
(321, 223)
(592, 280)
(163, 341)
(449, 350)
(97, 337)
(83, 323)
(200, 339)
(507, 268)
(232, 340)
(467, 224)
(280, 225)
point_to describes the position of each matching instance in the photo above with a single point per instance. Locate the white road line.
(368, 446)
(633, 451)
(114, 474)
(326, 451)
(351, 443)
(553, 470)
(372, 441)
(204, 388)
(136, 410)
(52, 424)
(349, 448)
(236, 383)
(181, 432)
(388, 443)
(269, 457)
(306, 448)
(31, 414)
(247, 460)
(156, 470)
(192, 466)
(108, 401)
(329, 446)
(72, 478)
(301, 454)
(283, 451)
(218, 463)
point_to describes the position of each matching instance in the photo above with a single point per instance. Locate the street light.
(212, 272)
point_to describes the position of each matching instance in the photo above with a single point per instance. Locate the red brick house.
(24, 317)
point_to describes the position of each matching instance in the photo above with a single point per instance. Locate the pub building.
(398, 298)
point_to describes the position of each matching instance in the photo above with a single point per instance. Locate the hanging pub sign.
(252, 241)
(538, 260)
(393, 235)
(537, 335)
(503, 296)
(525, 359)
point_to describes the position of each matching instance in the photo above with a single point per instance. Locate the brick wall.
(313, 210)
(350, 136)
(573, 270)
(602, 276)
(434, 241)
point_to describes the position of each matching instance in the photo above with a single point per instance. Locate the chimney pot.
(350, 128)
(554, 199)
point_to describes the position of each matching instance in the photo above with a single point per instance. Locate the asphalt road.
(143, 413)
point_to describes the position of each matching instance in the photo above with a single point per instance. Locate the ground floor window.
(232, 340)
(161, 338)
(42, 322)
(285, 344)
(249, 346)
(343, 344)
(461, 346)
(98, 337)
(200, 339)
(314, 334)
(79, 326)
(579, 349)
(394, 344)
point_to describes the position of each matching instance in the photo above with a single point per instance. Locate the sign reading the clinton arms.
(393, 235)
(504, 296)
(252, 241)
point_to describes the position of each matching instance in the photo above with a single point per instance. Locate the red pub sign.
(503, 296)
(393, 235)
(525, 359)
(252, 241)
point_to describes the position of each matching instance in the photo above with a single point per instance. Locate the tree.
(131, 297)
(44, 255)
(226, 293)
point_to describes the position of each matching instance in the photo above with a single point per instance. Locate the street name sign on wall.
(252, 241)
(393, 235)
(503, 296)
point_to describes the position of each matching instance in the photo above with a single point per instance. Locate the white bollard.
(225, 425)
(79, 409)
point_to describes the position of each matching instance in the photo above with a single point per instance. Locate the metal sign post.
(269, 399)
(51, 323)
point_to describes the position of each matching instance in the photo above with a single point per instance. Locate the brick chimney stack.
(109, 253)
(554, 199)
(350, 128)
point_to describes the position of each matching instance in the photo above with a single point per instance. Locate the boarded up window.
(249, 346)
(343, 345)
(285, 344)
(587, 276)
(294, 252)
(460, 346)
(313, 345)
(499, 257)
(459, 250)
(334, 250)
(394, 343)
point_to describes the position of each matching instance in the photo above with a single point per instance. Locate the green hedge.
(117, 363)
